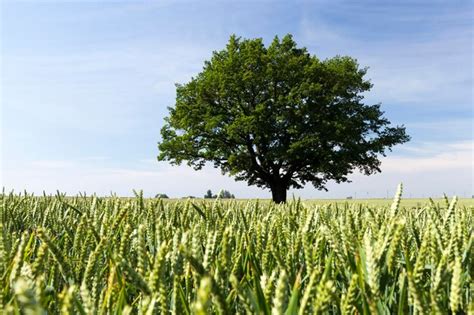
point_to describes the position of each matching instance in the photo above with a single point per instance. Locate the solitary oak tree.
(278, 117)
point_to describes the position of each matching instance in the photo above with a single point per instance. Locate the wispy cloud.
(433, 149)
(106, 92)
(432, 69)
(435, 157)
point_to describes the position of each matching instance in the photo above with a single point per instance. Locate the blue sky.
(85, 85)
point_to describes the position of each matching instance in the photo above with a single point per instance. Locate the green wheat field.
(97, 255)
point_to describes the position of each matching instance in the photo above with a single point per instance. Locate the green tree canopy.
(278, 117)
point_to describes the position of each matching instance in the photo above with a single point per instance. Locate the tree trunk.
(278, 192)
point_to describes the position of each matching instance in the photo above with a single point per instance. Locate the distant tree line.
(224, 194)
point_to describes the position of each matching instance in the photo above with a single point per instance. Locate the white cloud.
(438, 168)
(454, 157)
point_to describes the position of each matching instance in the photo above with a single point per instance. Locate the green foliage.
(89, 255)
(208, 194)
(278, 117)
(223, 194)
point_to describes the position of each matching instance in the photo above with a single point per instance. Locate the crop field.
(380, 202)
(92, 255)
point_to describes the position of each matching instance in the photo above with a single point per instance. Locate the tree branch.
(253, 156)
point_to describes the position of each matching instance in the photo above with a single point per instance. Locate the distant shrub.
(208, 194)
(223, 194)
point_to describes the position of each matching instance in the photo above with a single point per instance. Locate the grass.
(91, 255)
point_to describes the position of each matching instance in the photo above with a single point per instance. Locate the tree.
(162, 196)
(278, 117)
(225, 194)
(208, 194)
